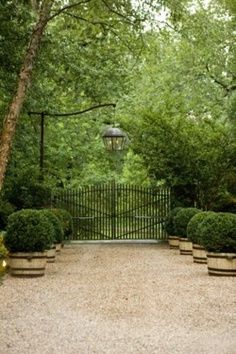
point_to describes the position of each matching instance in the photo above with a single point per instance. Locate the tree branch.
(67, 7)
(72, 113)
(227, 88)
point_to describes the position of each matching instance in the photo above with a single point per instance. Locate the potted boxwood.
(173, 240)
(199, 252)
(180, 222)
(57, 237)
(218, 236)
(29, 234)
(3, 253)
(66, 221)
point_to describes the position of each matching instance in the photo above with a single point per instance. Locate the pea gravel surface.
(121, 299)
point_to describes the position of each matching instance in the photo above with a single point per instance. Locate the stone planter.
(173, 242)
(31, 264)
(223, 264)
(58, 247)
(185, 246)
(199, 254)
(51, 254)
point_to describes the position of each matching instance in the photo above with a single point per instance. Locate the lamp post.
(114, 139)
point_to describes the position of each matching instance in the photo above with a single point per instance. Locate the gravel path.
(119, 299)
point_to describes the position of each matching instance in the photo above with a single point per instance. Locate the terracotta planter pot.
(223, 264)
(199, 254)
(31, 264)
(51, 254)
(173, 242)
(58, 247)
(185, 246)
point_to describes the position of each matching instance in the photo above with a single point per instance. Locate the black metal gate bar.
(115, 211)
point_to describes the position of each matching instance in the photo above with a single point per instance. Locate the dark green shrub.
(28, 231)
(169, 226)
(5, 210)
(56, 223)
(217, 232)
(193, 225)
(182, 219)
(28, 193)
(66, 220)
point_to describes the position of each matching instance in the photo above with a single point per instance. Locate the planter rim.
(27, 253)
(222, 253)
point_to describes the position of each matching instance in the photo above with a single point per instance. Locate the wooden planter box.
(173, 242)
(199, 254)
(185, 246)
(51, 254)
(31, 264)
(223, 264)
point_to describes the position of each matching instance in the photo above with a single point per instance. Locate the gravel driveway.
(119, 299)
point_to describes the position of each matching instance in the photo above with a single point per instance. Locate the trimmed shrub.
(5, 210)
(193, 226)
(3, 250)
(217, 232)
(169, 226)
(182, 219)
(28, 230)
(66, 221)
(56, 223)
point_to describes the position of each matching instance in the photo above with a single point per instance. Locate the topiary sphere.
(28, 230)
(182, 219)
(66, 221)
(193, 226)
(169, 226)
(56, 223)
(217, 232)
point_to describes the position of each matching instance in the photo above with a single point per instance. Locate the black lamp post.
(114, 139)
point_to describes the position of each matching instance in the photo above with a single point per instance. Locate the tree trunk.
(12, 115)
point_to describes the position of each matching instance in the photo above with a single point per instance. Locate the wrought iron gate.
(116, 211)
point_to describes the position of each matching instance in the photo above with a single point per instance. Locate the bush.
(27, 193)
(217, 232)
(56, 223)
(28, 230)
(66, 220)
(5, 210)
(182, 219)
(3, 250)
(193, 226)
(169, 226)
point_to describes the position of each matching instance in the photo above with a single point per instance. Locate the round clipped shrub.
(5, 210)
(28, 230)
(193, 226)
(169, 226)
(66, 221)
(217, 232)
(3, 250)
(56, 223)
(182, 219)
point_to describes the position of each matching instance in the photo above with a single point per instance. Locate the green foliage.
(3, 250)
(194, 225)
(28, 231)
(181, 220)
(56, 223)
(25, 191)
(217, 232)
(5, 210)
(169, 223)
(66, 221)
